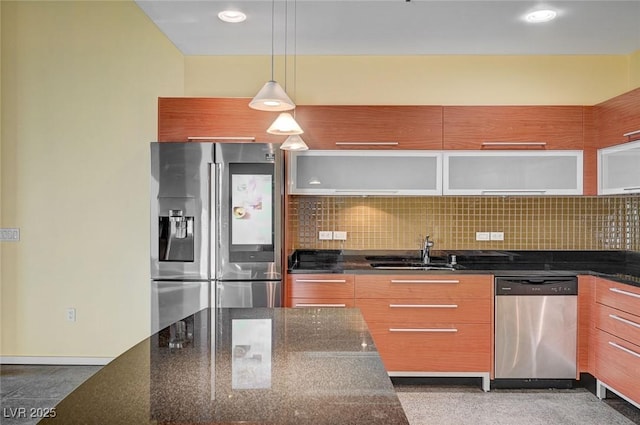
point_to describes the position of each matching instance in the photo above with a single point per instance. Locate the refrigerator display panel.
(251, 212)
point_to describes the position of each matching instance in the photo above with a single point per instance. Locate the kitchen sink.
(411, 266)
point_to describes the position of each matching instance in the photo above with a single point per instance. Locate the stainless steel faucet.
(426, 247)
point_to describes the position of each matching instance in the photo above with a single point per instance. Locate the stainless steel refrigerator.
(216, 227)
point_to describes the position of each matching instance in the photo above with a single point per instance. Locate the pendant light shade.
(294, 143)
(272, 97)
(285, 125)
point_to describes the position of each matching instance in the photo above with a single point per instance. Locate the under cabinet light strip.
(247, 138)
(620, 291)
(423, 305)
(623, 320)
(626, 350)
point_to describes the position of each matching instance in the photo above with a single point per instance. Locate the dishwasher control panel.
(538, 285)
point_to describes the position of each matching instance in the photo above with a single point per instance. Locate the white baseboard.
(72, 361)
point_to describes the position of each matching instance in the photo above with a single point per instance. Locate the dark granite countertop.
(255, 366)
(621, 266)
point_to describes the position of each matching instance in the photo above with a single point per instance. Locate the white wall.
(80, 82)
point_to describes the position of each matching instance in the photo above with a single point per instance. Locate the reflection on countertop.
(622, 266)
(258, 366)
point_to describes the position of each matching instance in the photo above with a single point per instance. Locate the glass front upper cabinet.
(619, 169)
(370, 172)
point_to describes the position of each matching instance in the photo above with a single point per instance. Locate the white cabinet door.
(619, 169)
(512, 173)
(367, 172)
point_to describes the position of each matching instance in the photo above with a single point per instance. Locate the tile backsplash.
(528, 223)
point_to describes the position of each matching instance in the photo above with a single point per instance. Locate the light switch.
(339, 236)
(324, 235)
(483, 236)
(497, 236)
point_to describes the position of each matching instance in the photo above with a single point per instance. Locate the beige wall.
(439, 80)
(80, 82)
(79, 87)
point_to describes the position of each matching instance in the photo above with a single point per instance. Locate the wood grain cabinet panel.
(513, 127)
(618, 295)
(429, 323)
(318, 289)
(371, 127)
(423, 286)
(618, 323)
(618, 364)
(405, 312)
(586, 323)
(616, 117)
(182, 117)
(433, 348)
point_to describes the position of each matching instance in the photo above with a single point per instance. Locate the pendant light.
(272, 97)
(294, 142)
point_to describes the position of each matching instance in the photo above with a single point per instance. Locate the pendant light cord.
(286, 25)
(273, 12)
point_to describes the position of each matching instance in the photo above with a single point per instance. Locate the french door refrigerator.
(216, 227)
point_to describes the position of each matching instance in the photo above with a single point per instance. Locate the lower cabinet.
(430, 325)
(321, 290)
(616, 339)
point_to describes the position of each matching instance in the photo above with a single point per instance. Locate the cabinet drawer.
(321, 286)
(322, 302)
(403, 312)
(460, 348)
(618, 323)
(618, 364)
(618, 295)
(424, 286)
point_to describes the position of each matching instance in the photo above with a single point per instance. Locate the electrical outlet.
(483, 236)
(71, 314)
(497, 236)
(9, 235)
(325, 235)
(339, 236)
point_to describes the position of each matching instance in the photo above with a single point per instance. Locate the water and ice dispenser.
(175, 235)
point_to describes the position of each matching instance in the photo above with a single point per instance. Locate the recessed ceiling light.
(544, 15)
(232, 16)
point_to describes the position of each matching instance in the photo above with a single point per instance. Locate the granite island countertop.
(621, 266)
(255, 366)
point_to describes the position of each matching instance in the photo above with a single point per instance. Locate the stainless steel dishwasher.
(536, 327)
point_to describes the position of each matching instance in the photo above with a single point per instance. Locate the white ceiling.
(399, 27)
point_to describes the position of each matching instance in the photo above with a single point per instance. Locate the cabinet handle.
(424, 281)
(512, 192)
(620, 291)
(540, 144)
(626, 350)
(248, 138)
(435, 330)
(320, 305)
(423, 305)
(321, 281)
(367, 143)
(631, 133)
(631, 188)
(623, 320)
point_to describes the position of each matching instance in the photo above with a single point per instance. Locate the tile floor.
(33, 386)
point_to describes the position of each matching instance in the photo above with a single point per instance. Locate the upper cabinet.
(181, 119)
(371, 127)
(618, 169)
(513, 127)
(370, 172)
(512, 173)
(616, 118)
